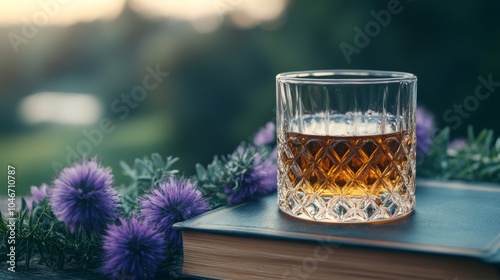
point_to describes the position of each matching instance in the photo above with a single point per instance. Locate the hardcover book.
(454, 233)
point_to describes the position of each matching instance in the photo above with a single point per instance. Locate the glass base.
(341, 209)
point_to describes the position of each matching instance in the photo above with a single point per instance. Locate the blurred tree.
(221, 85)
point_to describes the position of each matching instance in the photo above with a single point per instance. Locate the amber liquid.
(353, 166)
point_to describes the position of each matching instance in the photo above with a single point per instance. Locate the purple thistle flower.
(425, 131)
(40, 193)
(257, 182)
(132, 250)
(274, 154)
(83, 197)
(265, 135)
(170, 202)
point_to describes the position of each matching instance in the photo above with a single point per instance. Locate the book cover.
(450, 219)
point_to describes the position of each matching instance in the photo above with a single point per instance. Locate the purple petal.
(83, 197)
(133, 249)
(265, 135)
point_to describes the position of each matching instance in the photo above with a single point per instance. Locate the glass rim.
(358, 76)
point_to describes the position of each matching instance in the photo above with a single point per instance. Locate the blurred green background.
(67, 66)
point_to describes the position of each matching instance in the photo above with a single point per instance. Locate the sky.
(205, 15)
(57, 12)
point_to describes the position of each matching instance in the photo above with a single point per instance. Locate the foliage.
(42, 238)
(477, 160)
(225, 175)
(144, 174)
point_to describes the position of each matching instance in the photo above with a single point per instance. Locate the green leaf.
(201, 172)
(170, 162)
(23, 204)
(127, 170)
(144, 179)
(157, 160)
(478, 160)
(143, 166)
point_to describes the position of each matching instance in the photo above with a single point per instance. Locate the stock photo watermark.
(455, 115)
(309, 265)
(362, 38)
(11, 218)
(47, 9)
(471, 103)
(121, 106)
